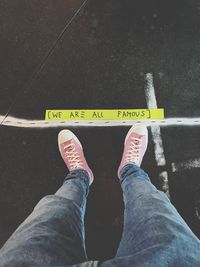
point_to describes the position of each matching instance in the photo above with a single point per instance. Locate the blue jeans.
(154, 233)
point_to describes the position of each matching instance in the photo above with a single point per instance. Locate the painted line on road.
(25, 123)
(156, 133)
(197, 213)
(185, 165)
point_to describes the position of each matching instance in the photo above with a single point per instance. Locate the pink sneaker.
(72, 152)
(135, 146)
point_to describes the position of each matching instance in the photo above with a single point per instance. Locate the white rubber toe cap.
(66, 135)
(138, 129)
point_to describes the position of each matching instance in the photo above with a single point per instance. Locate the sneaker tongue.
(69, 149)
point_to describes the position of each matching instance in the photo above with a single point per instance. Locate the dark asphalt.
(99, 62)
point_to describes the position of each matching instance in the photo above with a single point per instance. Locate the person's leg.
(154, 233)
(54, 233)
(152, 226)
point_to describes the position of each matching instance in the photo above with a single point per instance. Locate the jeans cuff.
(131, 169)
(79, 174)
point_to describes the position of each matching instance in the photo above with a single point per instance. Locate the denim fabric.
(53, 235)
(154, 233)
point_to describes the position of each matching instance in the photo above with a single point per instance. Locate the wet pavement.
(96, 59)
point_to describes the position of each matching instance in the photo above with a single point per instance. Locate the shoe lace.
(134, 149)
(73, 156)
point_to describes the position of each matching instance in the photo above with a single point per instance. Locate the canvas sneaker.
(72, 152)
(135, 146)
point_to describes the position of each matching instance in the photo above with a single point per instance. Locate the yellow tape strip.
(105, 114)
